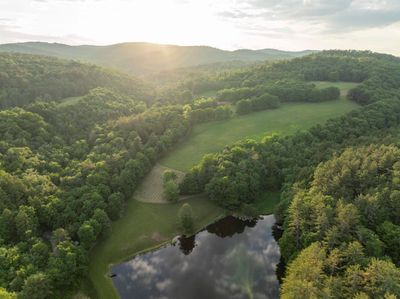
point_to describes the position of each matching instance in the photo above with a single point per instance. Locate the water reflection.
(229, 259)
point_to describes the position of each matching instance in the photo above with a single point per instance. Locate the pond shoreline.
(190, 249)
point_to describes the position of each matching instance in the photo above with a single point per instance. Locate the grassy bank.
(266, 204)
(144, 226)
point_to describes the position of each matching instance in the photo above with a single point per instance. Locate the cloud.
(330, 16)
(10, 34)
(47, 1)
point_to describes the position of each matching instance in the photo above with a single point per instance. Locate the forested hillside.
(340, 183)
(146, 58)
(26, 78)
(68, 166)
(65, 173)
(379, 75)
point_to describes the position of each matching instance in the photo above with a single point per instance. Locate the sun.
(167, 21)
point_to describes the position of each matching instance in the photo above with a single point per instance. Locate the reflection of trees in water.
(280, 270)
(229, 226)
(186, 245)
(226, 227)
(242, 265)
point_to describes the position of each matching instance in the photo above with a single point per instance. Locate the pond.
(231, 258)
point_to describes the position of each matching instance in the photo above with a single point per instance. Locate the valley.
(101, 172)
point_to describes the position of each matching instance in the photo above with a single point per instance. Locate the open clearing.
(289, 118)
(151, 189)
(144, 226)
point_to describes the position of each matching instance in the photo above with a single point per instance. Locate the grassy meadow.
(289, 118)
(143, 227)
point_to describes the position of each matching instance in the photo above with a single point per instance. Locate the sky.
(226, 24)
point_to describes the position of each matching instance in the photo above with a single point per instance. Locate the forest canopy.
(67, 167)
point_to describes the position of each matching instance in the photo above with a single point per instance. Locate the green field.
(144, 226)
(213, 137)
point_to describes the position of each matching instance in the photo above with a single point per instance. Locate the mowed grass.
(289, 118)
(144, 226)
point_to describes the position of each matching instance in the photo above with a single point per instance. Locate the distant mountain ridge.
(144, 58)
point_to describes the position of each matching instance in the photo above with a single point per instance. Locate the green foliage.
(65, 171)
(205, 111)
(389, 233)
(124, 56)
(36, 286)
(287, 120)
(340, 195)
(244, 106)
(186, 219)
(308, 277)
(325, 94)
(285, 157)
(263, 102)
(6, 295)
(86, 235)
(169, 175)
(25, 78)
(171, 191)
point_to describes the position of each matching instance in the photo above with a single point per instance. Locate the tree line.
(378, 74)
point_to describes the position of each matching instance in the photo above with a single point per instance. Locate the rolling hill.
(145, 58)
(25, 78)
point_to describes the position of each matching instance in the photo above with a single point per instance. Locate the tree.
(7, 225)
(37, 286)
(306, 277)
(114, 205)
(244, 107)
(169, 175)
(171, 191)
(26, 221)
(380, 278)
(389, 233)
(6, 295)
(40, 254)
(105, 224)
(87, 235)
(186, 218)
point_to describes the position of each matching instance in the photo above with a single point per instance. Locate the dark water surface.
(231, 258)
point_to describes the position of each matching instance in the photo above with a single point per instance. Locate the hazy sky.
(227, 24)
